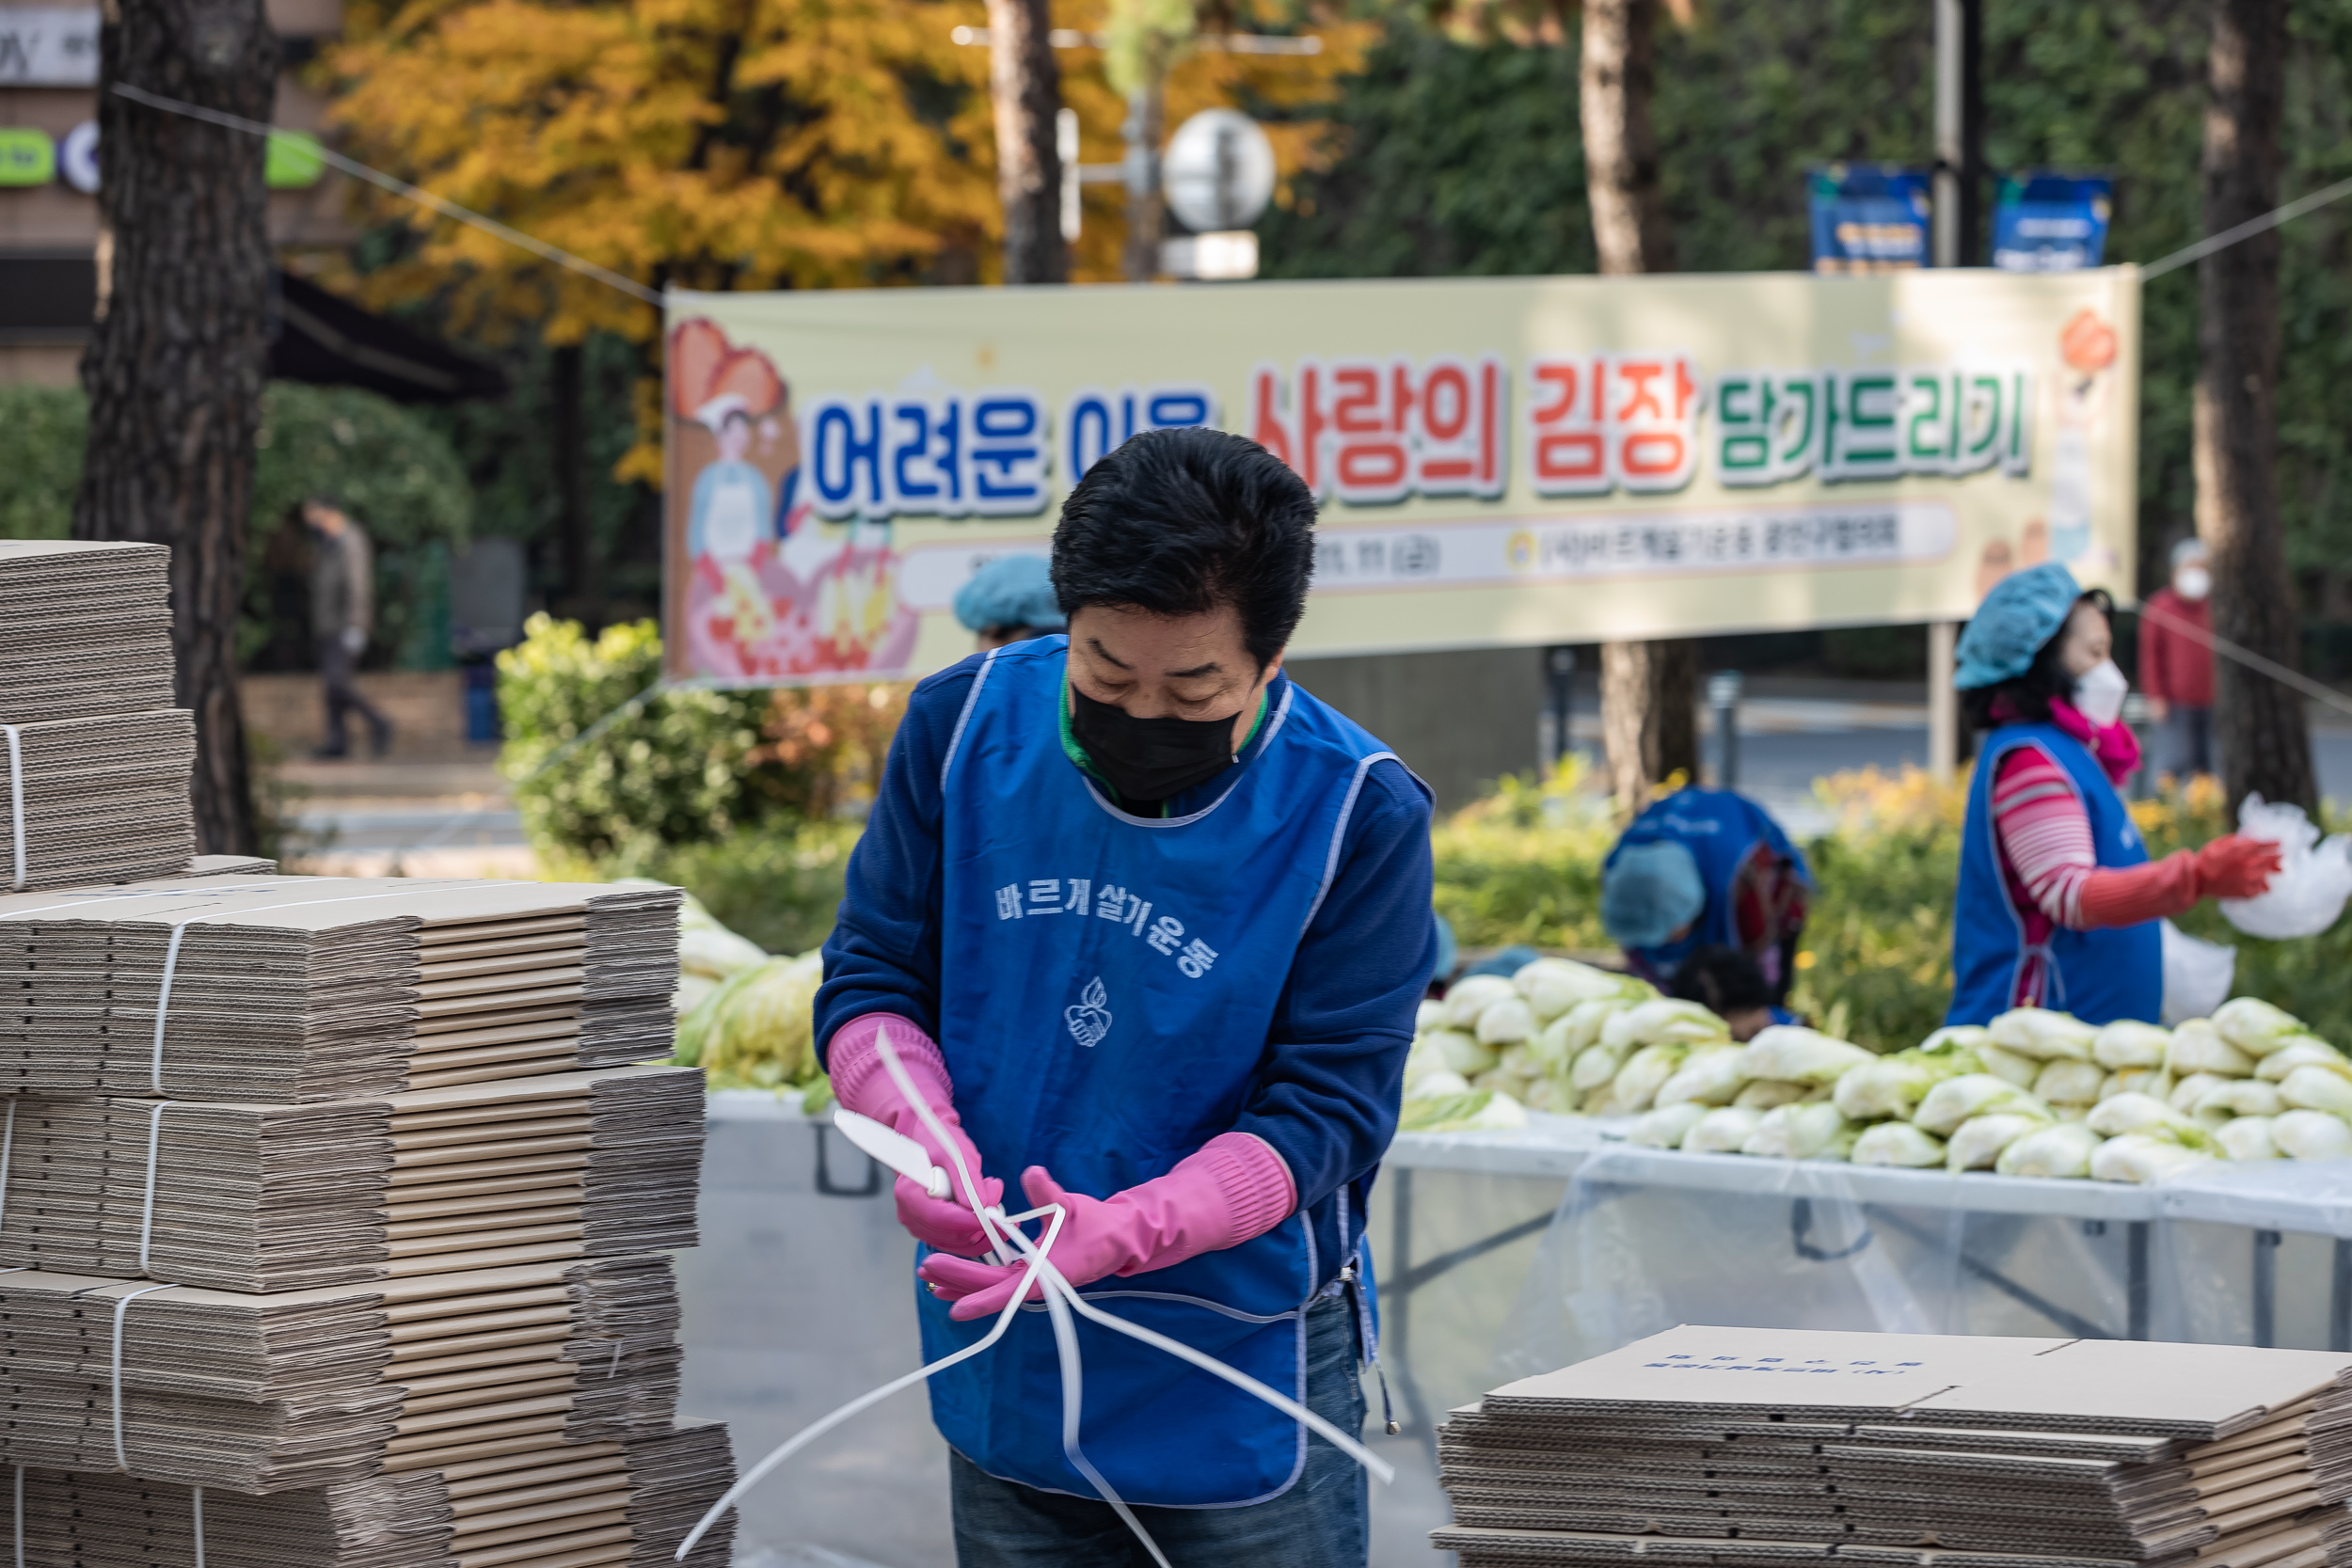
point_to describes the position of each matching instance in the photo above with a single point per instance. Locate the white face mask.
(2099, 695)
(2192, 582)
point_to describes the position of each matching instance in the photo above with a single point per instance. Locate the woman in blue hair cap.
(1705, 886)
(2058, 904)
(1009, 600)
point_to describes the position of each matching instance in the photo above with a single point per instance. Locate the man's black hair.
(2026, 699)
(1177, 522)
(1722, 979)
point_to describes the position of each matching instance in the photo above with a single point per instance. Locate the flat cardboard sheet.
(85, 629)
(309, 1387)
(304, 989)
(628, 1502)
(1715, 1446)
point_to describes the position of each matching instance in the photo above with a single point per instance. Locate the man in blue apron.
(1153, 922)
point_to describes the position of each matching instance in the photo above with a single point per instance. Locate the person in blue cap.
(2059, 905)
(1708, 869)
(1009, 600)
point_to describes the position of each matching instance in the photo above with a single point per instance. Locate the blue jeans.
(1319, 1523)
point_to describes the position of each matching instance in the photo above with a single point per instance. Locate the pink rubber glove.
(861, 1083)
(1234, 1188)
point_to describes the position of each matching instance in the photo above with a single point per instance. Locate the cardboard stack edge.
(628, 1503)
(94, 759)
(291, 989)
(85, 629)
(1788, 1447)
(280, 1197)
(302, 1390)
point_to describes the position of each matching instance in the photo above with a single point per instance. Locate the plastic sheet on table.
(1807, 1245)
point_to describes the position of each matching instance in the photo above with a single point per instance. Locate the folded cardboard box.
(1766, 1446)
(284, 989)
(85, 629)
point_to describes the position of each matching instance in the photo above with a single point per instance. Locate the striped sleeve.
(2045, 833)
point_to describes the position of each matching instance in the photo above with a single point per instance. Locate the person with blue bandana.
(1010, 599)
(1148, 924)
(2059, 905)
(1703, 871)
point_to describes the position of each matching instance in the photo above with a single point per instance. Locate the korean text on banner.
(1499, 461)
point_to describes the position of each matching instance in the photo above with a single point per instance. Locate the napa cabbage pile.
(2035, 1093)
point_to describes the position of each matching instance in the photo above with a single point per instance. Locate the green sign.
(27, 156)
(293, 162)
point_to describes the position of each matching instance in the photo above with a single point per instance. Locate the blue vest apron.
(1721, 828)
(2099, 975)
(1108, 984)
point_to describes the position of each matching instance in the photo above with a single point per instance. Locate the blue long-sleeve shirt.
(1332, 1071)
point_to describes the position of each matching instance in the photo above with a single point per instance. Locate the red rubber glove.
(1234, 1188)
(2231, 867)
(2236, 867)
(861, 1083)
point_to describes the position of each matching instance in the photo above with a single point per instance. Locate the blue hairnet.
(1506, 963)
(2023, 611)
(1009, 591)
(1650, 893)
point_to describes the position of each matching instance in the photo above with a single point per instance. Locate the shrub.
(43, 430)
(778, 883)
(664, 769)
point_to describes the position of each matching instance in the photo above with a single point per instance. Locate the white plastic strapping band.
(196, 1506)
(7, 1147)
(146, 1205)
(179, 928)
(123, 1305)
(16, 798)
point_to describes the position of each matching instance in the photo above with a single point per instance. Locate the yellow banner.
(1503, 461)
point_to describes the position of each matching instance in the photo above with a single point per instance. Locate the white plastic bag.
(2313, 879)
(2197, 976)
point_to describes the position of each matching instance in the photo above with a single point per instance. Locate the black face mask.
(1149, 760)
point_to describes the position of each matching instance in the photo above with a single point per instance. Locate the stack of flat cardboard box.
(293, 989)
(334, 1212)
(1793, 1448)
(93, 757)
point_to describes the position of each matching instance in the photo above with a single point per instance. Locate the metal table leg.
(2265, 1288)
(2135, 1278)
(2340, 1298)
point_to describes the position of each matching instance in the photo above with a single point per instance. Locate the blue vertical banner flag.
(1869, 217)
(2045, 222)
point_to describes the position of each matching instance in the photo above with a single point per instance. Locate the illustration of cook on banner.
(1519, 461)
(770, 590)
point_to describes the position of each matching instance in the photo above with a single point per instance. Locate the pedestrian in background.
(343, 614)
(2176, 667)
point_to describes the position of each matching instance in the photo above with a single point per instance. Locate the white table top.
(2273, 1195)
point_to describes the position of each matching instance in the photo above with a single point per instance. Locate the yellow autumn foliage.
(729, 144)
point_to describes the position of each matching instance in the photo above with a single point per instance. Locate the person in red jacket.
(2176, 667)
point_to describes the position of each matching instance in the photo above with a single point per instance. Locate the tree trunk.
(1614, 82)
(175, 365)
(1146, 120)
(1024, 85)
(1649, 690)
(1648, 717)
(567, 391)
(2260, 726)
